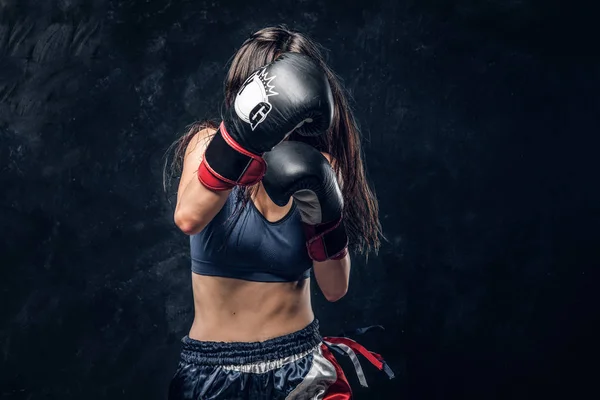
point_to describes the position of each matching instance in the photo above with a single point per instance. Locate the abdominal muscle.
(233, 310)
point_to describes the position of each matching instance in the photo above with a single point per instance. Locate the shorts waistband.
(240, 353)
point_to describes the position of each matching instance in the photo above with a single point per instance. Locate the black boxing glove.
(291, 92)
(299, 170)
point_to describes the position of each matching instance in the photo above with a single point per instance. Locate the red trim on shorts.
(340, 389)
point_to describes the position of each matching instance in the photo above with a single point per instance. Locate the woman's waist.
(246, 327)
(289, 349)
(234, 310)
(298, 342)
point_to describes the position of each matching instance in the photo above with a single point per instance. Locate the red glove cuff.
(227, 164)
(327, 241)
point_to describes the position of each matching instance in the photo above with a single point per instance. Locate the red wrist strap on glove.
(227, 164)
(327, 241)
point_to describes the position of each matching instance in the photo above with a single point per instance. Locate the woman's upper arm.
(192, 158)
(196, 204)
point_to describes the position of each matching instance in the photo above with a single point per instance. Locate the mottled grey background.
(480, 121)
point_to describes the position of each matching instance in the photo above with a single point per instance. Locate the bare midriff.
(233, 310)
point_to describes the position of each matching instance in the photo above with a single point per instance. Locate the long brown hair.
(341, 141)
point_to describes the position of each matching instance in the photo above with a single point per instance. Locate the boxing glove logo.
(252, 101)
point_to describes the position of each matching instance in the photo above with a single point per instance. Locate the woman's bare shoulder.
(200, 139)
(328, 157)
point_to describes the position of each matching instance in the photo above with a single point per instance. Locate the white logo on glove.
(252, 102)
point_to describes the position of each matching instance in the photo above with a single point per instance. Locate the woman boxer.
(275, 189)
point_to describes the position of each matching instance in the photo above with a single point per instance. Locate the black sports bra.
(256, 249)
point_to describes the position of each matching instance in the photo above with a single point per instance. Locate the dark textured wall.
(475, 117)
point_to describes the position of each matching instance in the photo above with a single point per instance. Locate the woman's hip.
(294, 366)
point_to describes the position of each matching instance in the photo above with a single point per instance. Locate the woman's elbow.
(186, 224)
(335, 294)
(333, 277)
